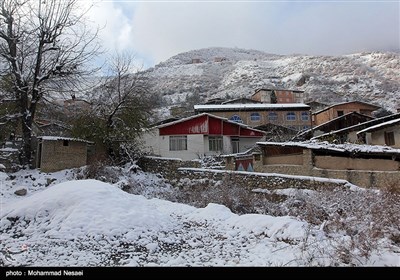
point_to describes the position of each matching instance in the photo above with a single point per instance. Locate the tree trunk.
(26, 124)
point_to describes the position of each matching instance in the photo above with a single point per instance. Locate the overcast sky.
(157, 30)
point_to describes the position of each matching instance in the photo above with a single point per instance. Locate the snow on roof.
(380, 126)
(348, 147)
(209, 115)
(356, 126)
(332, 121)
(343, 103)
(60, 138)
(249, 106)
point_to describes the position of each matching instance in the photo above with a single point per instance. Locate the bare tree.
(43, 44)
(121, 107)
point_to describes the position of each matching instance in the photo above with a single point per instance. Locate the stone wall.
(9, 158)
(255, 180)
(167, 167)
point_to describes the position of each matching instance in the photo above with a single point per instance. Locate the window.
(272, 116)
(340, 113)
(177, 143)
(255, 117)
(305, 127)
(236, 118)
(389, 138)
(215, 143)
(235, 145)
(65, 143)
(304, 116)
(291, 116)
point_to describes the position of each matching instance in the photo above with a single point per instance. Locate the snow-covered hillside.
(231, 72)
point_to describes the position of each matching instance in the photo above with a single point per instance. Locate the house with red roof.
(198, 136)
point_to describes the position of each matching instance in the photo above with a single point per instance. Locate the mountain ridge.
(232, 72)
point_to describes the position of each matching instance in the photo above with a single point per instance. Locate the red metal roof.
(208, 125)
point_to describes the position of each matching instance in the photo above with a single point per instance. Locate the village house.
(316, 106)
(75, 106)
(278, 96)
(198, 136)
(350, 133)
(57, 153)
(295, 116)
(340, 109)
(386, 133)
(347, 120)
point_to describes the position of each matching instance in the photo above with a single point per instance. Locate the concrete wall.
(55, 156)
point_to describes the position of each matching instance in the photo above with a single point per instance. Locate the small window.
(291, 116)
(178, 143)
(304, 116)
(235, 145)
(389, 138)
(255, 117)
(272, 116)
(215, 143)
(236, 118)
(340, 113)
(65, 143)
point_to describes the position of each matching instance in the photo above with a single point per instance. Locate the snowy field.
(67, 222)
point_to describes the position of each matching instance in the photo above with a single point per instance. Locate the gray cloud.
(161, 30)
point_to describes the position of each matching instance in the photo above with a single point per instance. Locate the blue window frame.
(291, 116)
(304, 116)
(272, 116)
(236, 118)
(255, 117)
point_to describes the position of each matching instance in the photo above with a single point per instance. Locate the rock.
(49, 181)
(21, 192)
(2, 167)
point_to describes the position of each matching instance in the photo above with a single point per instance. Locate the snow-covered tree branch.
(43, 44)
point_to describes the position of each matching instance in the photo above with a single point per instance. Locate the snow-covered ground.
(67, 222)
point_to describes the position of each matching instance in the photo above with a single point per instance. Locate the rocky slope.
(232, 72)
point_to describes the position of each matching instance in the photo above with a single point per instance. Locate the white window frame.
(215, 143)
(178, 143)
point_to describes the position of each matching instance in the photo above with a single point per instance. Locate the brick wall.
(55, 156)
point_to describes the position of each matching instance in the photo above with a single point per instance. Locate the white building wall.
(195, 147)
(227, 144)
(245, 143)
(378, 137)
(150, 140)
